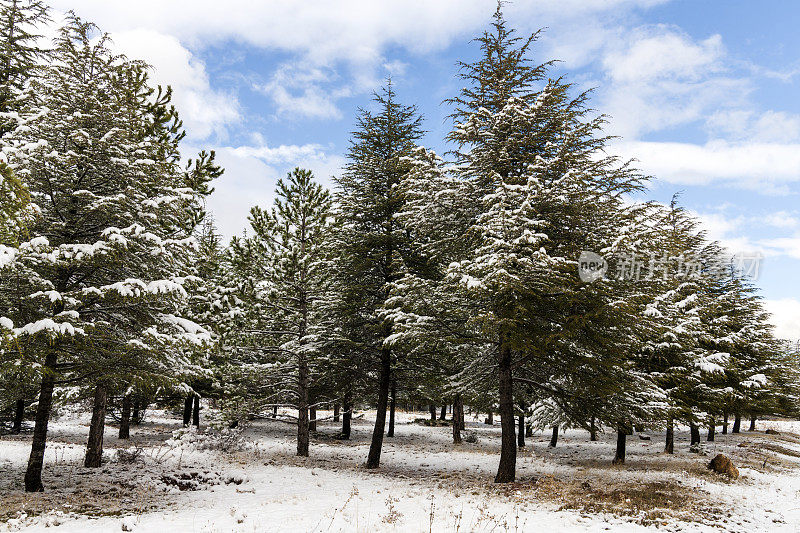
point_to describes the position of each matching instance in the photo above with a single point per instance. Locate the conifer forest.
(488, 322)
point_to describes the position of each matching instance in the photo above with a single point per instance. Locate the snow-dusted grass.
(255, 483)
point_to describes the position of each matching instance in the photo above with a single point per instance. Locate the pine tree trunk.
(725, 423)
(432, 410)
(619, 456)
(461, 422)
(187, 409)
(33, 475)
(529, 430)
(125, 418)
(521, 432)
(274, 411)
(669, 447)
(19, 416)
(752, 423)
(554, 438)
(392, 405)
(592, 430)
(694, 432)
(196, 412)
(94, 446)
(306, 415)
(712, 429)
(347, 414)
(374, 457)
(737, 423)
(302, 407)
(456, 419)
(336, 412)
(506, 470)
(136, 416)
(490, 418)
(443, 413)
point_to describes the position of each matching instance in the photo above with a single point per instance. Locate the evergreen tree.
(20, 56)
(680, 299)
(104, 267)
(374, 246)
(534, 189)
(287, 246)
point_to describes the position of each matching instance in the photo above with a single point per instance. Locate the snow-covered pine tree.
(15, 209)
(15, 212)
(342, 339)
(247, 350)
(20, 55)
(542, 191)
(287, 248)
(104, 263)
(16, 377)
(679, 299)
(374, 245)
(785, 377)
(432, 323)
(204, 273)
(709, 344)
(205, 307)
(748, 371)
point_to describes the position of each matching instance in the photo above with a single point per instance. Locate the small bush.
(224, 440)
(130, 455)
(471, 437)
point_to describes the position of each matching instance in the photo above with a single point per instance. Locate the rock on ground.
(722, 465)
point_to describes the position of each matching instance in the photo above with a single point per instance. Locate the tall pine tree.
(105, 262)
(374, 246)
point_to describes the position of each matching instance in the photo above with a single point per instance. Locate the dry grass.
(777, 448)
(90, 497)
(652, 502)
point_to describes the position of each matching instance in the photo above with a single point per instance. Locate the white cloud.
(304, 90)
(396, 67)
(735, 232)
(785, 317)
(718, 226)
(777, 126)
(247, 181)
(353, 35)
(579, 44)
(786, 246)
(780, 219)
(729, 123)
(658, 77)
(744, 124)
(730, 232)
(331, 30)
(639, 108)
(761, 166)
(660, 53)
(278, 154)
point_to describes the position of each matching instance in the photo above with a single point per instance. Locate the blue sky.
(702, 92)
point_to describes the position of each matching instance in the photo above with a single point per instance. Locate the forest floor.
(174, 480)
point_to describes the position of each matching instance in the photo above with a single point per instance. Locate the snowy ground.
(425, 483)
